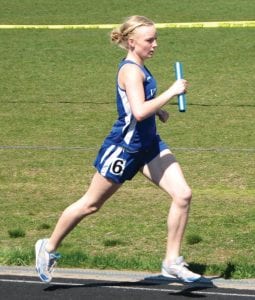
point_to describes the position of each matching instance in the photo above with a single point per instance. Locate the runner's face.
(144, 41)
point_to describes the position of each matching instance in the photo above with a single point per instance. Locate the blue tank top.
(126, 131)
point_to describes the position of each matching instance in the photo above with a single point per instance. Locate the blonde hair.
(120, 35)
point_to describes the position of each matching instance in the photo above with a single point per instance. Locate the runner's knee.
(183, 197)
(88, 209)
(83, 207)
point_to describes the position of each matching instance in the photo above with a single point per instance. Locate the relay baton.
(181, 97)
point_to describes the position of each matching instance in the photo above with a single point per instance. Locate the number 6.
(118, 166)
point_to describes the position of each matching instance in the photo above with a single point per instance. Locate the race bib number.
(118, 166)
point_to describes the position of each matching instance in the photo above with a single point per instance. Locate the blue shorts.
(117, 164)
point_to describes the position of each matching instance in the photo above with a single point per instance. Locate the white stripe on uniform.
(128, 121)
(110, 160)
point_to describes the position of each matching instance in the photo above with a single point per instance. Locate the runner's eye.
(151, 40)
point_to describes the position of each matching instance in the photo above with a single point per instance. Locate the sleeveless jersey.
(126, 131)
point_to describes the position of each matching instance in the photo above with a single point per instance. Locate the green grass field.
(57, 103)
(112, 11)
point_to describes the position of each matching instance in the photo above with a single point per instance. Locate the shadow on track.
(155, 282)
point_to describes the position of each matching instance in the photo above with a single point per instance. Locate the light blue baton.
(181, 97)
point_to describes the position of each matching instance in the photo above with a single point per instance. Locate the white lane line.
(176, 291)
(40, 282)
(219, 24)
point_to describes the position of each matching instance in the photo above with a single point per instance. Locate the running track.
(117, 286)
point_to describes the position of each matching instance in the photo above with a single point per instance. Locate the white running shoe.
(178, 269)
(45, 261)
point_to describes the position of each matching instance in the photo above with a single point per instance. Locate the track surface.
(107, 285)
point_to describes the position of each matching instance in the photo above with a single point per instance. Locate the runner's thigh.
(166, 172)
